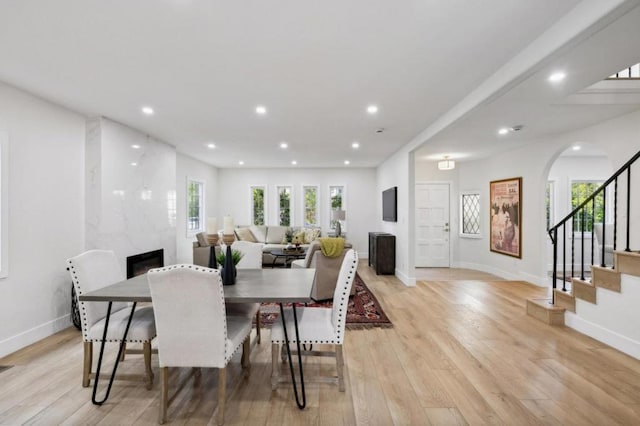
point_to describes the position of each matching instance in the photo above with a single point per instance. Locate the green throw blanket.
(332, 247)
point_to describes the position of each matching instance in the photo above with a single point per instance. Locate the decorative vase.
(229, 270)
(213, 263)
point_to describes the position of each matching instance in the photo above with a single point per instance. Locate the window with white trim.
(470, 214)
(258, 205)
(284, 205)
(195, 206)
(310, 205)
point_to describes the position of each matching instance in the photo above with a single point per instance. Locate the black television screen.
(390, 204)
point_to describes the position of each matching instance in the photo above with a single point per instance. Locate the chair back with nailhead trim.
(343, 288)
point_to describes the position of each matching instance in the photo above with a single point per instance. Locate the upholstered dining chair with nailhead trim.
(95, 269)
(193, 327)
(319, 325)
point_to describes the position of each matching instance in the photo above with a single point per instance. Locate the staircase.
(614, 320)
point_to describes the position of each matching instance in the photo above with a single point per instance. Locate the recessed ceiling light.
(355, 145)
(503, 131)
(147, 110)
(241, 163)
(134, 146)
(211, 145)
(284, 145)
(261, 109)
(557, 76)
(347, 162)
(372, 109)
(294, 162)
(576, 147)
(134, 164)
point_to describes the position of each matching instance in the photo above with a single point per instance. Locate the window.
(257, 205)
(470, 214)
(549, 204)
(195, 206)
(284, 205)
(580, 191)
(336, 199)
(310, 205)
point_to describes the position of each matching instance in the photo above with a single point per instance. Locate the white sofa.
(270, 237)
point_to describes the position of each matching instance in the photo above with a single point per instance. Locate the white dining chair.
(318, 325)
(93, 270)
(251, 259)
(193, 328)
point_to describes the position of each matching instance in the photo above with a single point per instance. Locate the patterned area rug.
(364, 310)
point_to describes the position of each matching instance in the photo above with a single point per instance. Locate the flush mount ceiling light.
(294, 162)
(147, 110)
(241, 163)
(134, 164)
(372, 109)
(503, 131)
(576, 147)
(355, 145)
(446, 164)
(211, 145)
(347, 162)
(134, 146)
(557, 76)
(261, 110)
(284, 145)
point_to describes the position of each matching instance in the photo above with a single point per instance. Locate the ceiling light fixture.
(294, 162)
(134, 146)
(557, 76)
(147, 110)
(211, 145)
(355, 145)
(576, 147)
(503, 131)
(261, 109)
(372, 109)
(284, 145)
(446, 164)
(347, 162)
(134, 164)
(241, 163)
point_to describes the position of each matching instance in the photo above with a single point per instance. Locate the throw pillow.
(299, 237)
(259, 232)
(310, 234)
(203, 241)
(245, 234)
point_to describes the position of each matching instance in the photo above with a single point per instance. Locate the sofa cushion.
(275, 234)
(245, 234)
(259, 232)
(203, 241)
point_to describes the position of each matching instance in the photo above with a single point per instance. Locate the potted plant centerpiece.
(221, 257)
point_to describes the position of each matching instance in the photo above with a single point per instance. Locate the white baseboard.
(28, 337)
(521, 276)
(611, 338)
(406, 280)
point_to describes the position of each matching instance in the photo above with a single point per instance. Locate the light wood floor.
(460, 352)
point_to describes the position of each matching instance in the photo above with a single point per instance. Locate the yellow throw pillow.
(311, 234)
(299, 238)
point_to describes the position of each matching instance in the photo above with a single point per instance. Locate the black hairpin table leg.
(293, 376)
(115, 367)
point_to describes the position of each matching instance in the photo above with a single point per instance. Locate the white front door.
(432, 225)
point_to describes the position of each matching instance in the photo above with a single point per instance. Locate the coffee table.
(287, 255)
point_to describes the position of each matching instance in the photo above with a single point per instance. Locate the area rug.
(364, 310)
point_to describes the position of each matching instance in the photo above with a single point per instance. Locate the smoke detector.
(517, 127)
(379, 130)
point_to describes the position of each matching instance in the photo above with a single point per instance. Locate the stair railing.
(580, 212)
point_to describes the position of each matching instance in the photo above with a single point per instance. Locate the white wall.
(362, 202)
(188, 167)
(46, 215)
(619, 137)
(399, 171)
(131, 209)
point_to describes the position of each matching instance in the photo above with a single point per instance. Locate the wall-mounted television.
(390, 204)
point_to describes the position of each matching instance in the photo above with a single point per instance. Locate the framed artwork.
(505, 200)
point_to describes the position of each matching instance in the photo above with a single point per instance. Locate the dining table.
(251, 286)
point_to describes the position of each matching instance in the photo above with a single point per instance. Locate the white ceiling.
(204, 65)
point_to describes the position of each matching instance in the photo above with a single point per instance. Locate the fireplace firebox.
(141, 263)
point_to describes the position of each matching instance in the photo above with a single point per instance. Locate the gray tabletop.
(252, 285)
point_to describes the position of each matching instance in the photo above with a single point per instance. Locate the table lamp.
(338, 215)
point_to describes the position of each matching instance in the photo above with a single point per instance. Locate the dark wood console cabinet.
(382, 253)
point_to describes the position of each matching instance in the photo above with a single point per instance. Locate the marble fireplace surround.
(130, 191)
